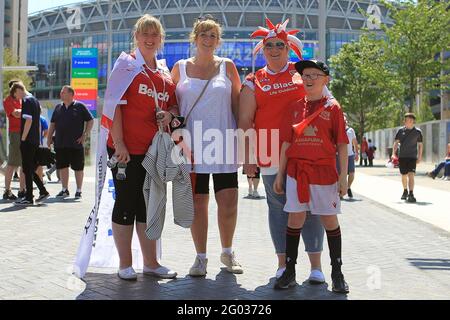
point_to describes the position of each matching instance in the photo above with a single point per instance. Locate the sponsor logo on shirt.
(325, 115)
(310, 131)
(161, 96)
(277, 86)
(266, 88)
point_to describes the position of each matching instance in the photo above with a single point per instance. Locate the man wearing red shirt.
(313, 132)
(13, 109)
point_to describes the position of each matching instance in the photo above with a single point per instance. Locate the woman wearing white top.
(216, 109)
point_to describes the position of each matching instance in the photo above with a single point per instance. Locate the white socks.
(201, 256)
(228, 251)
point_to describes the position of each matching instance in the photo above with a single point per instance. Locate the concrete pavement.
(386, 254)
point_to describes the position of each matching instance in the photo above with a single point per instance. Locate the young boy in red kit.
(314, 130)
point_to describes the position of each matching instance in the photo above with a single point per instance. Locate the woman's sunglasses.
(279, 45)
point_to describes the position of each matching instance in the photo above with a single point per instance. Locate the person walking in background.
(364, 150)
(208, 92)
(370, 152)
(72, 123)
(13, 109)
(352, 150)
(43, 144)
(253, 183)
(29, 145)
(409, 138)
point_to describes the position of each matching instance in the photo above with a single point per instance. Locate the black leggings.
(29, 166)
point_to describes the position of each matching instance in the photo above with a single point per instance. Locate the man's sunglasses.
(279, 45)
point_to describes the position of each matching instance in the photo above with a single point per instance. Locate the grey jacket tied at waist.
(163, 163)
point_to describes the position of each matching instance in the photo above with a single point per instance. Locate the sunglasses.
(208, 17)
(278, 45)
(313, 76)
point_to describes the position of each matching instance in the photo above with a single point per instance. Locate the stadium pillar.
(322, 30)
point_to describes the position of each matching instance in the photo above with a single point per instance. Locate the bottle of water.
(121, 167)
(112, 162)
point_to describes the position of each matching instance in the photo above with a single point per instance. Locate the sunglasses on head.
(278, 45)
(207, 17)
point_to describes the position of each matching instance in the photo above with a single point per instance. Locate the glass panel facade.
(335, 41)
(53, 58)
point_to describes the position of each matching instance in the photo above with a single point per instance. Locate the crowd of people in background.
(31, 140)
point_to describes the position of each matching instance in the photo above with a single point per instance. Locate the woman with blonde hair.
(208, 94)
(144, 85)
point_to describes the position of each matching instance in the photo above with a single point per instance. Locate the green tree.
(367, 91)
(413, 43)
(11, 60)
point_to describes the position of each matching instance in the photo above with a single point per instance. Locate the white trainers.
(280, 272)
(198, 269)
(256, 195)
(127, 274)
(230, 261)
(316, 277)
(160, 272)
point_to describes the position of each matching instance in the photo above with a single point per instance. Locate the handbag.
(179, 122)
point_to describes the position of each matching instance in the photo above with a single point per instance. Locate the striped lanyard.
(155, 93)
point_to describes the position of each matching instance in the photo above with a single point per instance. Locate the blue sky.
(38, 5)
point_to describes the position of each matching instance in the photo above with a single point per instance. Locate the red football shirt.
(318, 141)
(10, 104)
(273, 94)
(139, 113)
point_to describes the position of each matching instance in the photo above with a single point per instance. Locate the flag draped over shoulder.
(97, 248)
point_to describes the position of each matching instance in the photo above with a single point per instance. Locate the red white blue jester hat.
(278, 31)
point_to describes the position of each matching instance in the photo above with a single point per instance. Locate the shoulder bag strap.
(203, 91)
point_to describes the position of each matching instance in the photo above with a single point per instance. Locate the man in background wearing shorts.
(410, 154)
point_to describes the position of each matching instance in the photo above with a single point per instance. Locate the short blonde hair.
(205, 24)
(147, 22)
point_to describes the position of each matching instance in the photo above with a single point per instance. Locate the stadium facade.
(325, 26)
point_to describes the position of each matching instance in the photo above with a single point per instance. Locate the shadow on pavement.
(223, 287)
(12, 208)
(351, 200)
(109, 286)
(430, 264)
(418, 203)
(304, 291)
(253, 198)
(60, 200)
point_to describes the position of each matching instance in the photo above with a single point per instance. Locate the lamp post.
(2, 23)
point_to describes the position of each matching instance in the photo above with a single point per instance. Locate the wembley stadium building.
(325, 26)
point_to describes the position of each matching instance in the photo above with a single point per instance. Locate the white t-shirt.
(350, 135)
